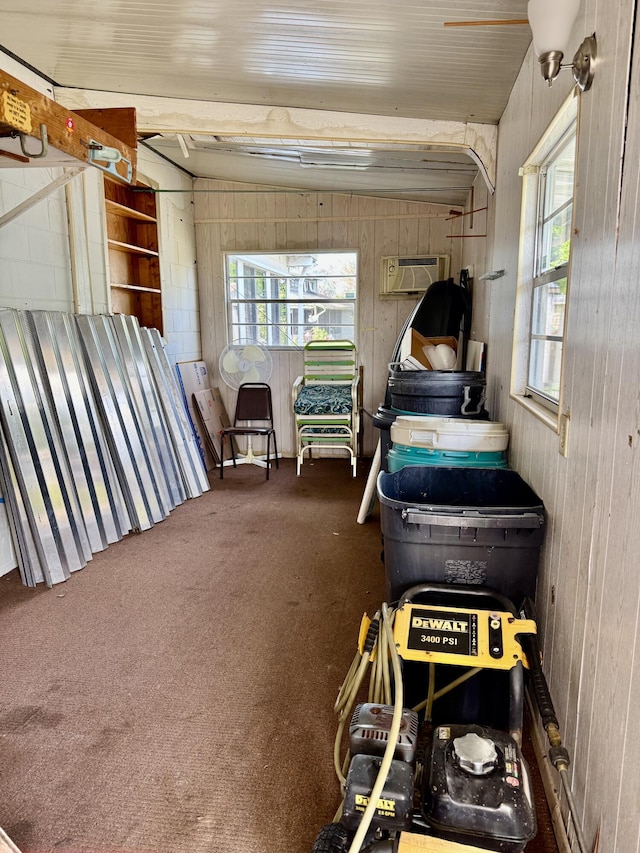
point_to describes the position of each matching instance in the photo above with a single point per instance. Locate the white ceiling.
(386, 59)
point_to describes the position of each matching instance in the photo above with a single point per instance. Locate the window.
(285, 300)
(544, 263)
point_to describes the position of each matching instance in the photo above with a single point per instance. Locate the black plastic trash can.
(466, 526)
(446, 393)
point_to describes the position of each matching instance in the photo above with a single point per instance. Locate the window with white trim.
(284, 300)
(545, 248)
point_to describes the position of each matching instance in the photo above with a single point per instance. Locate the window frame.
(531, 277)
(306, 296)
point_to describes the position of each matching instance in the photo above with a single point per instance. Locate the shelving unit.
(134, 267)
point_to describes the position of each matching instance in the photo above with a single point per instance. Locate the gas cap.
(474, 754)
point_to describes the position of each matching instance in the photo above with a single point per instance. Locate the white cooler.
(449, 434)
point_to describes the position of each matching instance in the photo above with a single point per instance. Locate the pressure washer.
(433, 760)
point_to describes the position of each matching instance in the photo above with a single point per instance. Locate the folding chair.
(253, 416)
(325, 400)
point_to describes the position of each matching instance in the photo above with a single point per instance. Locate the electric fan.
(245, 361)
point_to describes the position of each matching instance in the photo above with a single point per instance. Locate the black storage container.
(447, 393)
(465, 526)
(383, 420)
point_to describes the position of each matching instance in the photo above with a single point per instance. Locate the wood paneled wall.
(233, 217)
(589, 589)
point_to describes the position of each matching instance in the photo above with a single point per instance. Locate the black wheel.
(332, 838)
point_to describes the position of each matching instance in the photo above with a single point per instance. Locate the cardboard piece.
(419, 342)
(193, 377)
(476, 352)
(213, 417)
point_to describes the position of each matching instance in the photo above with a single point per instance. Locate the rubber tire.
(332, 838)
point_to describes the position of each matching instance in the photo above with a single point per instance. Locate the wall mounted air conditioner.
(412, 276)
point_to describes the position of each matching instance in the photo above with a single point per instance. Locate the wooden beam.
(119, 122)
(44, 192)
(25, 112)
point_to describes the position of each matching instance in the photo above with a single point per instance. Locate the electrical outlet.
(564, 434)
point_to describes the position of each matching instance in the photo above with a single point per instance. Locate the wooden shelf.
(129, 212)
(134, 259)
(129, 247)
(137, 287)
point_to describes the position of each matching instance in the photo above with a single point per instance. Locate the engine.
(474, 787)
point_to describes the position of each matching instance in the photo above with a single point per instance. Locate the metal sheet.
(24, 543)
(101, 500)
(72, 529)
(125, 436)
(194, 475)
(38, 457)
(149, 410)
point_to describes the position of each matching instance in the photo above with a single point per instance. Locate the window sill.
(549, 418)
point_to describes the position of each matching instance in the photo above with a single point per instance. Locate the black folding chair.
(253, 416)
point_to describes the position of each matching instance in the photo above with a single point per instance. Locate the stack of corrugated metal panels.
(93, 439)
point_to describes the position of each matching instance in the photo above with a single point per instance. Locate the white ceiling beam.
(176, 115)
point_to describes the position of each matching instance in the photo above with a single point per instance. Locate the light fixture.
(551, 22)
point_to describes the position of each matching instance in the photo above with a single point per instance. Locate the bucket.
(453, 393)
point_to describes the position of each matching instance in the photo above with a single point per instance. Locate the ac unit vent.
(407, 277)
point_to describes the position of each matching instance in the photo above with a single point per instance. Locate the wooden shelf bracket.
(44, 192)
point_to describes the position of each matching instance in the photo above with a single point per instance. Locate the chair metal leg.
(268, 449)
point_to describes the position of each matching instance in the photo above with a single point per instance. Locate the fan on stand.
(245, 361)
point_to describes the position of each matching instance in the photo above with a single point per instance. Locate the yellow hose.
(394, 731)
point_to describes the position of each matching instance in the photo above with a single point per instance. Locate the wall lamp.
(551, 22)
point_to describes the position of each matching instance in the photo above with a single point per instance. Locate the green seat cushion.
(324, 400)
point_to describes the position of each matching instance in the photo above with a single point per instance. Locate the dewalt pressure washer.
(433, 761)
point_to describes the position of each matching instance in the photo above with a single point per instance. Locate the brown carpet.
(176, 695)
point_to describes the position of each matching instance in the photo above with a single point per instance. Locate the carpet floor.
(175, 696)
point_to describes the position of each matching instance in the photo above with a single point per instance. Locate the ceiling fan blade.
(509, 23)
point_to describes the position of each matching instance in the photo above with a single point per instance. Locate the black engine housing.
(482, 800)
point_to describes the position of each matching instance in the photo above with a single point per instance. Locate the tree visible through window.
(284, 300)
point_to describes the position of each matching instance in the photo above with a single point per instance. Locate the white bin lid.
(449, 433)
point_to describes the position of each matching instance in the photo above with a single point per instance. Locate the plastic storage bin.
(400, 455)
(449, 434)
(383, 420)
(477, 526)
(452, 393)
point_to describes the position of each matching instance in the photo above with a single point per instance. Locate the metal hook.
(44, 140)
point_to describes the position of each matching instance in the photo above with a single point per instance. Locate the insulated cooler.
(448, 442)
(464, 526)
(478, 436)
